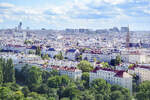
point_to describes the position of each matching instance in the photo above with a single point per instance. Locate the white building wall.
(143, 73)
(110, 78)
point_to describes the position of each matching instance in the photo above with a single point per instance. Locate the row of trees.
(7, 73)
(143, 91)
(36, 84)
(86, 66)
(51, 85)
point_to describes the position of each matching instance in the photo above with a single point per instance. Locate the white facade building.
(142, 71)
(99, 57)
(71, 72)
(51, 52)
(123, 66)
(121, 78)
(62, 63)
(125, 57)
(134, 58)
(71, 54)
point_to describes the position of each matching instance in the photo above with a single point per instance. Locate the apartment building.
(142, 71)
(71, 54)
(121, 78)
(62, 63)
(71, 72)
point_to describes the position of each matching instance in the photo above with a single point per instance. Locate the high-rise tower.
(128, 39)
(19, 26)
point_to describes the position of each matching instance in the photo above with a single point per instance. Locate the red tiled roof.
(96, 52)
(119, 73)
(66, 68)
(141, 66)
(98, 62)
(105, 69)
(146, 67)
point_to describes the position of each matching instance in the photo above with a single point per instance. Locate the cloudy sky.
(61, 14)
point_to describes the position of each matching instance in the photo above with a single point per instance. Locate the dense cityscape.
(75, 62)
(117, 57)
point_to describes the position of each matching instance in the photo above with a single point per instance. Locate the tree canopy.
(59, 56)
(38, 51)
(105, 65)
(143, 92)
(85, 66)
(33, 83)
(116, 61)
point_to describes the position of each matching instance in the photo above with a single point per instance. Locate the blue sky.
(61, 14)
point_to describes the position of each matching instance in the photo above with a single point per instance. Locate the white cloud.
(114, 2)
(77, 13)
(6, 5)
(1, 20)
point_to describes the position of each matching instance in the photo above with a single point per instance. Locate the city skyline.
(93, 14)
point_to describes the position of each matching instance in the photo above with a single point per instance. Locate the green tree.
(31, 52)
(28, 42)
(143, 92)
(59, 56)
(64, 80)
(117, 95)
(95, 60)
(12, 86)
(85, 66)
(118, 60)
(34, 87)
(60, 92)
(64, 98)
(1, 72)
(113, 62)
(45, 76)
(57, 81)
(105, 65)
(100, 86)
(79, 84)
(125, 93)
(8, 71)
(35, 96)
(18, 95)
(54, 73)
(34, 76)
(5, 93)
(38, 51)
(24, 73)
(54, 82)
(52, 92)
(99, 97)
(131, 65)
(71, 92)
(87, 95)
(85, 78)
(25, 91)
(45, 57)
(79, 58)
(43, 89)
(51, 98)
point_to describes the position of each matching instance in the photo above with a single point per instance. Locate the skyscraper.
(124, 29)
(19, 26)
(128, 39)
